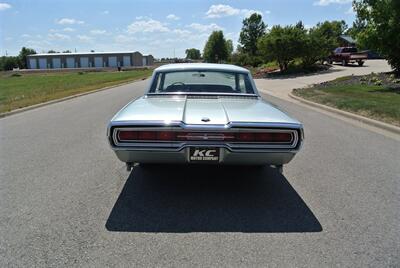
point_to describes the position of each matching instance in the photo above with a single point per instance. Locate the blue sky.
(151, 27)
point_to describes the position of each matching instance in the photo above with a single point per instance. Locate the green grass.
(28, 89)
(376, 102)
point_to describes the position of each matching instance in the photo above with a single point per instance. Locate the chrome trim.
(161, 123)
(179, 145)
(181, 93)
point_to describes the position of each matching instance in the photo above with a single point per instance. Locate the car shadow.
(181, 199)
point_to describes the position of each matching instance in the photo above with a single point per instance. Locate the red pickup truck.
(347, 55)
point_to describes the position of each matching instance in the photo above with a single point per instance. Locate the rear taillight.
(263, 137)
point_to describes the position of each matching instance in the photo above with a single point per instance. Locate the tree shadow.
(393, 89)
(300, 73)
(181, 199)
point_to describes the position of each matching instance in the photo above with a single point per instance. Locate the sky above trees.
(161, 28)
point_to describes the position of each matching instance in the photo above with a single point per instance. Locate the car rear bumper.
(226, 157)
(237, 153)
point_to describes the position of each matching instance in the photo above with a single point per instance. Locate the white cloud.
(105, 12)
(249, 12)
(267, 11)
(219, 11)
(173, 17)
(98, 32)
(4, 6)
(84, 38)
(64, 21)
(181, 32)
(58, 36)
(25, 35)
(39, 44)
(328, 2)
(205, 27)
(68, 29)
(147, 26)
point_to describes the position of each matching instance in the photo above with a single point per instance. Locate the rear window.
(201, 82)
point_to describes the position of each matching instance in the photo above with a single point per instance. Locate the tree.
(382, 27)
(320, 41)
(215, 49)
(193, 53)
(331, 31)
(51, 51)
(253, 28)
(282, 44)
(316, 47)
(22, 56)
(8, 63)
(66, 51)
(229, 48)
(357, 27)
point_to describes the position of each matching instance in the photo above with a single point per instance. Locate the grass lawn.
(374, 101)
(28, 89)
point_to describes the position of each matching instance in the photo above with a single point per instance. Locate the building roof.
(348, 39)
(201, 66)
(82, 53)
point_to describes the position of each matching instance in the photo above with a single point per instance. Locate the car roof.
(200, 66)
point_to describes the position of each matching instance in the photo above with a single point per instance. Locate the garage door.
(56, 63)
(42, 63)
(127, 60)
(32, 63)
(70, 63)
(84, 62)
(144, 61)
(112, 61)
(98, 61)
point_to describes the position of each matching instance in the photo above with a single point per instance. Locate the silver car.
(204, 114)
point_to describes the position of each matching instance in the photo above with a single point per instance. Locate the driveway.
(281, 87)
(65, 200)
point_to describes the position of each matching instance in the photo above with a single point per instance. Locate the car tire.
(279, 168)
(330, 61)
(360, 63)
(344, 63)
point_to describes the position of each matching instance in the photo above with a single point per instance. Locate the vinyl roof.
(201, 66)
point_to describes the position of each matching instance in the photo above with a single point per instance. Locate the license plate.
(204, 154)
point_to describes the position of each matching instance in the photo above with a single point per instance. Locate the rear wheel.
(360, 63)
(129, 166)
(330, 61)
(344, 62)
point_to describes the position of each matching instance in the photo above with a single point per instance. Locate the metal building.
(88, 60)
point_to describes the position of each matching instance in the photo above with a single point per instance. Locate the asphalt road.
(65, 200)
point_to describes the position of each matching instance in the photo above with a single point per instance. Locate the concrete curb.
(24, 109)
(357, 117)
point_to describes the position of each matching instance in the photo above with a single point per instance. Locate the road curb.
(31, 107)
(357, 117)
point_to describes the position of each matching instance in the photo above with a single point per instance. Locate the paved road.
(65, 200)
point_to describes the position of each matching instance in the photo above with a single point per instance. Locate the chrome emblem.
(205, 119)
